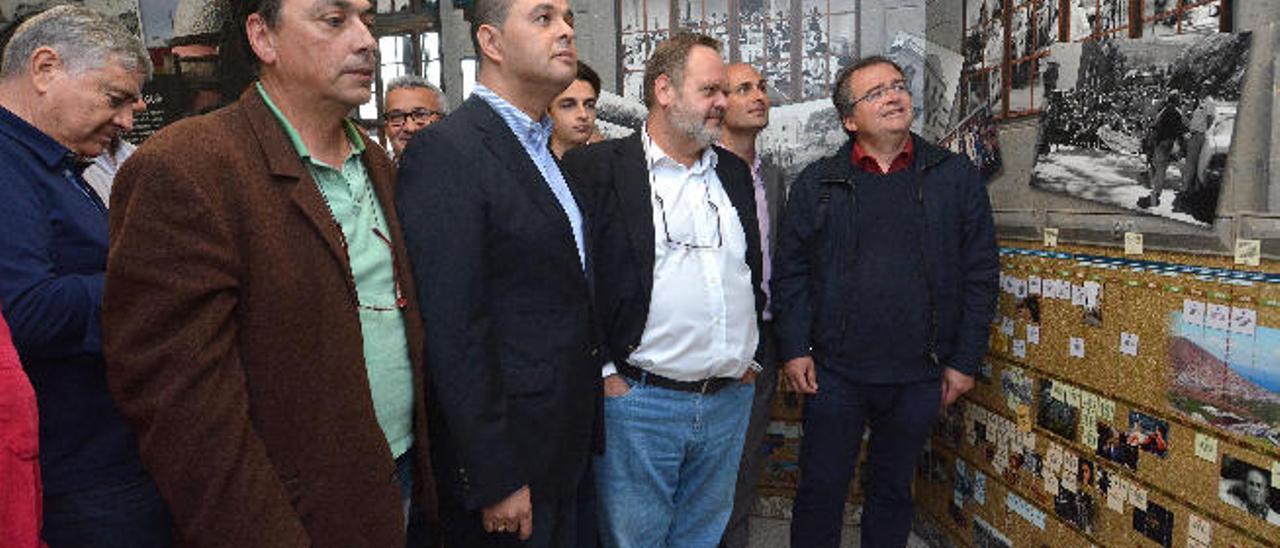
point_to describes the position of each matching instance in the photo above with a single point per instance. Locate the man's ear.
(664, 90)
(261, 39)
(488, 37)
(849, 124)
(45, 67)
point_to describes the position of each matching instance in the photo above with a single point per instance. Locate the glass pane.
(753, 36)
(394, 52)
(976, 13)
(1023, 93)
(973, 47)
(431, 65)
(1202, 19)
(1021, 33)
(836, 6)
(369, 110)
(468, 66)
(995, 92)
(632, 15)
(993, 52)
(1083, 15)
(1113, 14)
(635, 47)
(658, 15)
(1046, 23)
(977, 91)
(843, 43)
(633, 85)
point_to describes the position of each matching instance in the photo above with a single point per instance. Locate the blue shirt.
(53, 259)
(534, 136)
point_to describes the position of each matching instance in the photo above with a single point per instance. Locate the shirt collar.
(536, 133)
(869, 164)
(655, 157)
(46, 148)
(353, 134)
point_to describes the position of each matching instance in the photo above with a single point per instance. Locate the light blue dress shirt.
(534, 136)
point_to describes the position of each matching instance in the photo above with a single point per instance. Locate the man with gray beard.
(676, 250)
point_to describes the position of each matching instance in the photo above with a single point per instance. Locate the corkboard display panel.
(1180, 418)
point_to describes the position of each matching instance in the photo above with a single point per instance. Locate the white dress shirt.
(702, 311)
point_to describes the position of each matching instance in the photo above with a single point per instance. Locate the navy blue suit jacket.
(510, 345)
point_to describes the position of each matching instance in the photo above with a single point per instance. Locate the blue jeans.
(900, 418)
(125, 514)
(667, 475)
(417, 531)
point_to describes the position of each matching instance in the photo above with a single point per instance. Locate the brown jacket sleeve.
(170, 337)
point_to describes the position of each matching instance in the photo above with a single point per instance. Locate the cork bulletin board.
(1133, 401)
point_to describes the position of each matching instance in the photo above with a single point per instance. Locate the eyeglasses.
(883, 91)
(398, 117)
(395, 271)
(713, 211)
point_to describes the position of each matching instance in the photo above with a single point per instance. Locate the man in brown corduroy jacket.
(260, 323)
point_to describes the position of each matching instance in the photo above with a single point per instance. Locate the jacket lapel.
(775, 193)
(504, 146)
(742, 196)
(631, 183)
(286, 167)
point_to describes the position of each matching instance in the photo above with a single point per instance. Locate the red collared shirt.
(869, 164)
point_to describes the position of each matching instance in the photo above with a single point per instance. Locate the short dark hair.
(487, 12)
(842, 92)
(670, 58)
(238, 65)
(590, 76)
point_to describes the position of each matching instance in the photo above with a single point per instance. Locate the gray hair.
(410, 81)
(84, 39)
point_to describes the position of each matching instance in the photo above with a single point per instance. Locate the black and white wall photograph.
(933, 74)
(1144, 124)
(978, 138)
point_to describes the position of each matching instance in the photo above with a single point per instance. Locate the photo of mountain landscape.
(1227, 379)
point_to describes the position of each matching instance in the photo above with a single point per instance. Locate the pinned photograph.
(1217, 383)
(1085, 473)
(1016, 386)
(1054, 415)
(1113, 447)
(1028, 309)
(1148, 433)
(1248, 487)
(1156, 523)
(1143, 124)
(1076, 508)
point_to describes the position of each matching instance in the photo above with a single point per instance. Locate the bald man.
(746, 115)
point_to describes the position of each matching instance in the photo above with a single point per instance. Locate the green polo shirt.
(353, 204)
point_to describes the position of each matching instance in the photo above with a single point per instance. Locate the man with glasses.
(261, 328)
(412, 103)
(678, 269)
(883, 290)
